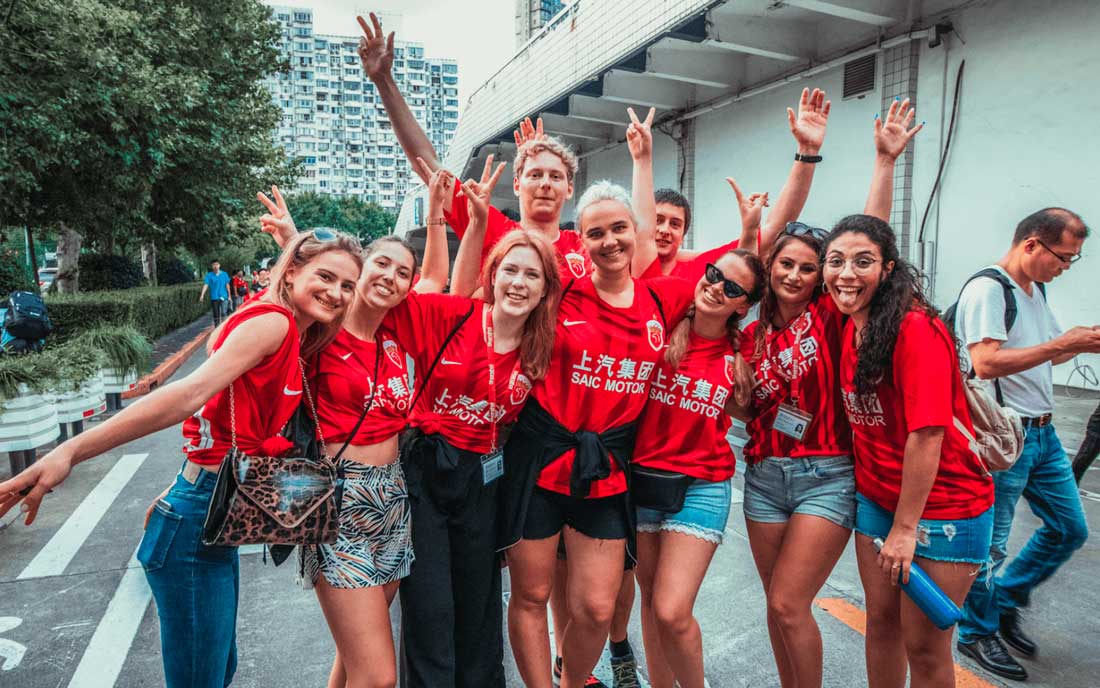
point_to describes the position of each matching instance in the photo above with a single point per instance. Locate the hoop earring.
(824, 288)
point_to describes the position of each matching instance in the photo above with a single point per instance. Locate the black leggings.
(1090, 447)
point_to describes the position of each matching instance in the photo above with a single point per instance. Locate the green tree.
(136, 120)
(345, 213)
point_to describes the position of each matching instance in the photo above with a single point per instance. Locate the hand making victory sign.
(478, 194)
(375, 48)
(277, 221)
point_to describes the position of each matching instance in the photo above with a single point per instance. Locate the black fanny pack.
(653, 488)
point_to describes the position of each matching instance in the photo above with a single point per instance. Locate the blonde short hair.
(547, 143)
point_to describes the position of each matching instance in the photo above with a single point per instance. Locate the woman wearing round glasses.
(920, 486)
(683, 463)
(800, 482)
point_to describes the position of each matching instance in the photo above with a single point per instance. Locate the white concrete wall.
(1025, 139)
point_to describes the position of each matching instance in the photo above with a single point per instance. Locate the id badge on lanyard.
(790, 420)
(492, 463)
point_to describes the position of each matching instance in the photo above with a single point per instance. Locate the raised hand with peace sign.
(277, 221)
(375, 48)
(478, 193)
(639, 135)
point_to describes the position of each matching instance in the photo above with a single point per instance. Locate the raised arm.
(808, 128)
(464, 281)
(376, 54)
(639, 139)
(433, 272)
(891, 138)
(242, 350)
(750, 207)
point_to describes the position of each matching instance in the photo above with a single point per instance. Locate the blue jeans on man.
(1044, 476)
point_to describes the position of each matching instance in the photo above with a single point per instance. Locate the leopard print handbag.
(274, 500)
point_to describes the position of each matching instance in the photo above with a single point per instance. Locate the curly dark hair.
(900, 291)
(769, 305)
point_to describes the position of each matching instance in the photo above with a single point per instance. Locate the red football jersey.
(602, 363)
(807, 353)
(691, 269)
(457, 402)
(264, 398)
(923, 389)
(573, 260)
(684, 425)
(342, 381)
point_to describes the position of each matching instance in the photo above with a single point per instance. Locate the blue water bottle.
(924, 592)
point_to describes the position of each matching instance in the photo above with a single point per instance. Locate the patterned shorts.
(375, 542)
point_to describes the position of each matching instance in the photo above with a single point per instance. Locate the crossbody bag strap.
(439, 353)
(370, 402)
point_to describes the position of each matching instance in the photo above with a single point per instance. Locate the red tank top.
(264, 398)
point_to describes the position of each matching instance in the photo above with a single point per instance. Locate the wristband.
(798, 157)
(432, 223)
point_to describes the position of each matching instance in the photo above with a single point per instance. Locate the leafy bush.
(99, 272)
(14, 274)
(172, 270)
(61, 369)
(124, 349)
(152, 311)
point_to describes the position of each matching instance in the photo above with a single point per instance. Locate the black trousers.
(1090, 447)
(451, 609)
(217, 310)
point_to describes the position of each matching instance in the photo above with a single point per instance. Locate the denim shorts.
(706, 510)
(959, 540)
(777, 488)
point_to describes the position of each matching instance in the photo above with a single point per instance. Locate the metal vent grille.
(859, 76)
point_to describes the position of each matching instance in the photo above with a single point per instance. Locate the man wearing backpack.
(1012, 337)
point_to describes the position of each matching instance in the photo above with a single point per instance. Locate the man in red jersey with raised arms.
(544, 167)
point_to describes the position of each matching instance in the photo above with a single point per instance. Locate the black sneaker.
(1012, 634)
(624, 672)
(993, 657)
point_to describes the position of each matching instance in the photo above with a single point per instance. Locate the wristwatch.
(798, 157)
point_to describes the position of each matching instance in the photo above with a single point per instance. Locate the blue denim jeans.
(1044, 477)
(195, 586)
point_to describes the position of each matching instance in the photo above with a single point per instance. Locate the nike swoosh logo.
(446, 362)
(570, 323)
(290, 392)
(346, 356)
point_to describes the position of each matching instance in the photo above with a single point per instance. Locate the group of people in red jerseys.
(567, 404)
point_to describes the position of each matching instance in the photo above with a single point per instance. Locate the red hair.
(538, 332)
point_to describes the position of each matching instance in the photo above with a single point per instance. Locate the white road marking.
(67, 541)
(10, 651)
(1090, 495)
(110, 644)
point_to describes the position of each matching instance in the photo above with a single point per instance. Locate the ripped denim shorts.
(958, 540)
(706, 510)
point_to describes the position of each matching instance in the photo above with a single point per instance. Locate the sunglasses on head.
(730, 288)
(802, 229)
(324, 234)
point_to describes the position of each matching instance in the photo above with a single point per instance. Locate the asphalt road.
(75, 609)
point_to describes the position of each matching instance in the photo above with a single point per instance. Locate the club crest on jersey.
(390, 347)
(520, 390)
(575, 261)
(729, 368)
(656, 332)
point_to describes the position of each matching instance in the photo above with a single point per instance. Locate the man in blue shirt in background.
(218, 284)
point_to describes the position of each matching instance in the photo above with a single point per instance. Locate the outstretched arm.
(376, 54)
(639, 139)
(808, 128)
(433, 273)
(464, 281)
(242, 350)
(891, 138)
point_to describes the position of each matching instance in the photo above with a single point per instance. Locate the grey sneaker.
(624, 671)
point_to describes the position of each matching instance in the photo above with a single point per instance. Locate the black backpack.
(26, 316)
(1000, 278)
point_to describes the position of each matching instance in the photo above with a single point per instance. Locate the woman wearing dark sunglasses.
(800, 481)
(682, 439)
